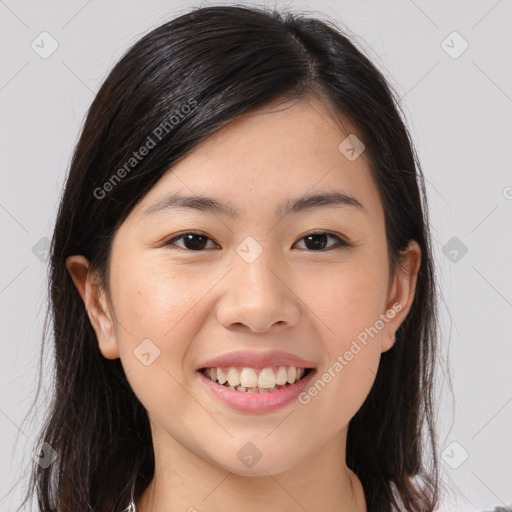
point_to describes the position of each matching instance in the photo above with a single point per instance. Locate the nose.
(257, 296)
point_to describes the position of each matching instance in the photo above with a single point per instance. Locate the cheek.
(348, 300)
(156, 306)
(348, 305)
(153, 300)
(352, 351)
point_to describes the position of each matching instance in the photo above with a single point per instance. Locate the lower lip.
(257, 402)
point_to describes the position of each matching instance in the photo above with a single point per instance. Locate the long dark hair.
(177, 86)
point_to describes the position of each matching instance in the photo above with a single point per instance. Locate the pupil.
(195, 246)
(316, 245)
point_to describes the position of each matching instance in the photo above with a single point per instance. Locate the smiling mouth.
(251, 380)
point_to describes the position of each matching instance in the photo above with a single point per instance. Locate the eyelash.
(341, 245)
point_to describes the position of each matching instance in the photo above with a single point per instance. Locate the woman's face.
(253, 284)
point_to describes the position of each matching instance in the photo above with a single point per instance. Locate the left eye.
(196, 241)
(316, 240)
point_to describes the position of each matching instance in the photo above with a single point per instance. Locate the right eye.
(193, 241)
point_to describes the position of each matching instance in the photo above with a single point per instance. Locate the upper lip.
(256, 360)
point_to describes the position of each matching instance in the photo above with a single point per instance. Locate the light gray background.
(459, 111)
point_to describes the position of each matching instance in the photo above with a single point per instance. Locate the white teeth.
(267, 379)
(250, 380)
(221, 376)
(233, 377)
(281, 376)
(248, 377)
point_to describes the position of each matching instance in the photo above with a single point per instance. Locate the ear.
(402, 291)
(94, 298)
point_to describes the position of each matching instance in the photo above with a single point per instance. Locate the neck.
(186, 481)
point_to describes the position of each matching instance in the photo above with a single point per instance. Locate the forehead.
(263, 160)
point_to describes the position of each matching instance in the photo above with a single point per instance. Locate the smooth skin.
(197, 304)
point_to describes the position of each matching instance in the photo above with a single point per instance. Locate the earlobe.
(93, 297)
(402, 292)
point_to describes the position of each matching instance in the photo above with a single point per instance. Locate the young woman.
(242, 285)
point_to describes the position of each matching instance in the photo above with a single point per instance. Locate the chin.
(263, 467)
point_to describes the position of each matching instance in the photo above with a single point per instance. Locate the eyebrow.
(214, 206)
